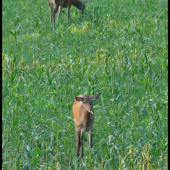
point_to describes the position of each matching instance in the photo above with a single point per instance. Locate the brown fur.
(83, 114)
(64, 4)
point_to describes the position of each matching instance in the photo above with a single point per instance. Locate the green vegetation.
(118, 48)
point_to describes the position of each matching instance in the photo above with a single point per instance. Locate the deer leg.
(51, 10)
(81, 144)
(78, 142)
(55, 11)
(90, 140)
(68, 10)
(59, 12)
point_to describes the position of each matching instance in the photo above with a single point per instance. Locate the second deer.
(83, 114)
(64, 4)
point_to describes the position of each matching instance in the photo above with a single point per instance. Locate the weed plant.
(118, 48)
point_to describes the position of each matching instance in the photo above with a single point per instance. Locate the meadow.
(118, 48)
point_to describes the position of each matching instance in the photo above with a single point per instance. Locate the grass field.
(118, 48)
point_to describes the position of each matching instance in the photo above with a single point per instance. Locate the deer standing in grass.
(83, 114)
(64, 4)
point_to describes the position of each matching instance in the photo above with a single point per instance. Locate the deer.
(65, 4)
(83, 114)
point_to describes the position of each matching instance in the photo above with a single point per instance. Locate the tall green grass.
(118, 48)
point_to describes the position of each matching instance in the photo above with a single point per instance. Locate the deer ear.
(94, 97)
(79, 99)
(85, 1)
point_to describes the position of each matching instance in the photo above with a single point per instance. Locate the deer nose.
(91, 108)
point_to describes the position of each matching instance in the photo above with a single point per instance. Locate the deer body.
(83, 114)
(64, 4)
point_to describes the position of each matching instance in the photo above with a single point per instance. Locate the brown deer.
(64, 4)
(83, 114)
